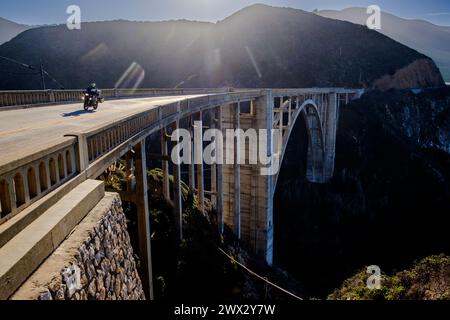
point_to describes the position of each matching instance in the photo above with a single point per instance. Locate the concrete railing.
(27, 180)
(99, 142)
(39, 97)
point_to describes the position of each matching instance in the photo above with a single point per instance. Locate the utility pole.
(42, 77)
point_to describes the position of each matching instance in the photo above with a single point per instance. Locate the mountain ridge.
(258, 46)
(431, 39)
(10, 29)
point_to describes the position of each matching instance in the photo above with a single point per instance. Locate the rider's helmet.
(93, 85)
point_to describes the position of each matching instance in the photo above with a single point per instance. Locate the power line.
(18, 62)
(258, 276)
(21, 73)
(39, 70)
(53, 79)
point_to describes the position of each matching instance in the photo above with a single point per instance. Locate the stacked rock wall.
(96, 261)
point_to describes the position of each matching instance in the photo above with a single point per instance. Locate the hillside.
(420, 35)
(259, 46)
(429, 279)
(9, 30)
(387, 203)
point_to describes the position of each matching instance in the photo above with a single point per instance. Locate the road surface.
(25, 131)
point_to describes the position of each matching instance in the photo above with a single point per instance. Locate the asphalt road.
(26, 131)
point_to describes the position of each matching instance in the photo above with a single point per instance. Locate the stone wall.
(95, 262)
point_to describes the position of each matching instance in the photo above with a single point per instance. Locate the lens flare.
(132, 77)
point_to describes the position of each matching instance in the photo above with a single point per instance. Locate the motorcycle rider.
(92, 90)
(93, 97)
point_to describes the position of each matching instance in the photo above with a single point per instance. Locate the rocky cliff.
(96, 262)
(428, 279)
(422, 73)
(387, 204)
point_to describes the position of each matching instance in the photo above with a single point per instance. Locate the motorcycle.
(92, 100)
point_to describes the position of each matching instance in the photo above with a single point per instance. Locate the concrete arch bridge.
(51, 153)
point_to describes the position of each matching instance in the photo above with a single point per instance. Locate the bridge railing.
(39, 97)
(27, 180)
(102, 140)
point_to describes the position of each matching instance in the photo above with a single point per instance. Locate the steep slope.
(387, 203)
(259, 46)
(429, 279)
(420, 35)
(9, 30)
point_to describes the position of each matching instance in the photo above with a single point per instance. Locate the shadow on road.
(76, 113)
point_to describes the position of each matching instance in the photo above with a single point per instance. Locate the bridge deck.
(26, 131)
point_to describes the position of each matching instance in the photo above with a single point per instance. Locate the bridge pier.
(330, 128)
(165, 164)
(192, 163)
(198, 156)
(143, 217)
(220, 176)
(237, 170)
(247, 195)
(177, 193)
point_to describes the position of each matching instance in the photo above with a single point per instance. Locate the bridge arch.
(309, 112)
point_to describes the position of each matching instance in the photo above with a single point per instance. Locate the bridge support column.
(220, 177)
(263, 188)
(143, 216)
(177, 193)
(214, 166)
(192, 164)
(254, 204)
(315, 163)
(330, 127)
(237, 171)
(165, 164)
(227, 184)
(198, 133)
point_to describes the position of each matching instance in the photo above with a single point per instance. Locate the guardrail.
(39, 97)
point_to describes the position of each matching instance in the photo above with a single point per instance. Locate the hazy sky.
(54, 11)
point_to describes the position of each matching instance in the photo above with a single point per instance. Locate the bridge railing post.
(82, 157)
(51, 96)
